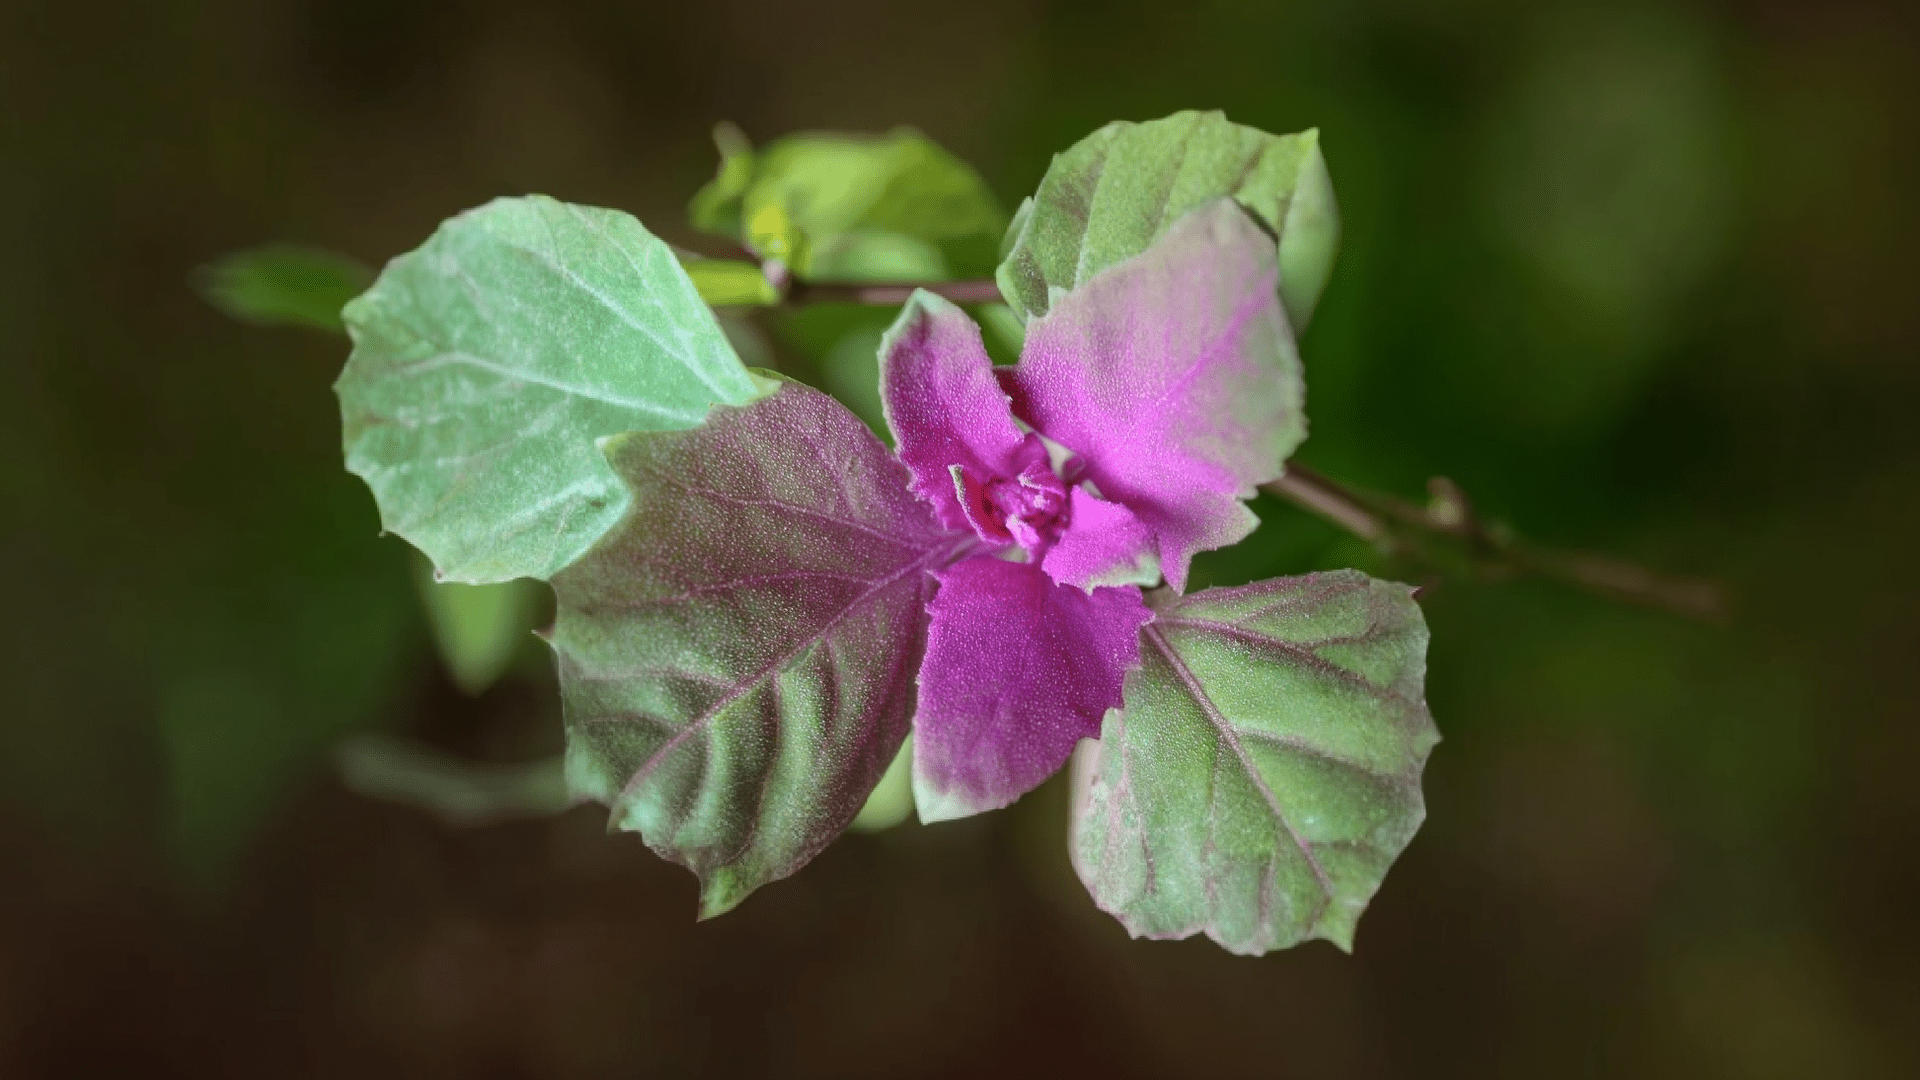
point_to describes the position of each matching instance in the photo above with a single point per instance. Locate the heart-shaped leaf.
(487, 362)
(1264, 770)
(737, 657)
(1110, 194)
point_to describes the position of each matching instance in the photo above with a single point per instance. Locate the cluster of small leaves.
(743, 571)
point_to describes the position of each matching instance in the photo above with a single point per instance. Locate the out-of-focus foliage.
(835, 207)
(285, 286)
(487, 363)
(479, 628)
(458, 791)
(276, 659)
(730, 282)
(891, 801)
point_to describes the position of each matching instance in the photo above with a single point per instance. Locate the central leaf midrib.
(701, 722)
(1231, 737)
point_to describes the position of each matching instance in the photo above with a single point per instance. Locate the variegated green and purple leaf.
(738, 655)
(1114, 192)
(1264, 771)
(487, 362)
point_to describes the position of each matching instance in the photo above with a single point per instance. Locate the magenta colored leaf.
(945, 407)
(1018, 670)
(1103, 544)
(1265, 770)
(1173, 375)
(737, 656)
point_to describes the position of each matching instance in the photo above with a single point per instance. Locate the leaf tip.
(730, 139)
(933, 805)
(720, 892)
(1338, 925)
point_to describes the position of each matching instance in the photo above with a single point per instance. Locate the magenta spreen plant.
(1168, 389)
(757, 600)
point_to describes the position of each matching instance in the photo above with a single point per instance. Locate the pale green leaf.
(737, 658)
(1112, 193)
(478, 628)
(284, 286)
(892, 798)
(1264, 771)
(854, 208)
(487, 363)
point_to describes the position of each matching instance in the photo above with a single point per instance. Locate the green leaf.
(730, 283)
(1112, 193)
(284, 286)
(716, 207)
(737, 658)
(487, 363)
(892, 798)
(1264, 770)
(855, 208)
(478, 627)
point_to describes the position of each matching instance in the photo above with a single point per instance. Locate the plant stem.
(460, 792)
(1488, 550)
(1398, 528)
(979, 291)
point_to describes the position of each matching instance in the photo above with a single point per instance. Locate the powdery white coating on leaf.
(737, 656)
(1106, 198)
(1018, 670)
(1264, 771)
(1174, 377)
(487, 363)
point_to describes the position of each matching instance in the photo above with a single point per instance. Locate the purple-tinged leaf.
(945, 407)
(1018, 670)
(1173, 375)
(737, 656)
(1265, 769)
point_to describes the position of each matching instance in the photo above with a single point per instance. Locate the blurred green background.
(1639, 276)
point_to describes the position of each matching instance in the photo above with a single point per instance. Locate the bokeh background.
(1639, 276)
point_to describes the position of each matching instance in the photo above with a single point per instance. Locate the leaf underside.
(487, 362)
(1112, 193)
(737, 657)
(1264, 771)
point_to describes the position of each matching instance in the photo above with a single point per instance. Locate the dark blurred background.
(1639, 276)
